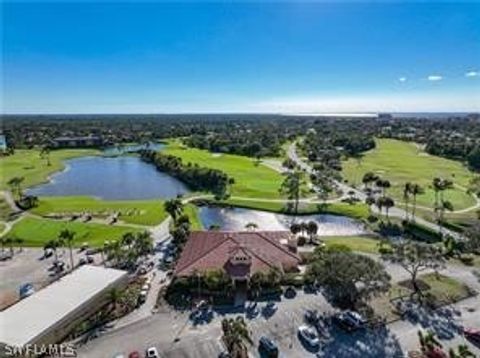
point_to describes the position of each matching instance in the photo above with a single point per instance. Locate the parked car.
(26, 290)
(134, 354)
(309, 336)
(271, 306)
(152, 352)
(350, 320)
(90, 259)
(290, 292)
(82, 261)
(267, 346)
(47, 253)
(311, 316)
(142, 297)
(472, 335)
(224, 354)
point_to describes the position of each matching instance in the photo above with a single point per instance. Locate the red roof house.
(240, 254)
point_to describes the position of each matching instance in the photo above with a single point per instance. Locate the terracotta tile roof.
(213, 249)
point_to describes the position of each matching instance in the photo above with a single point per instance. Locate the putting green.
(28, 164)
(37, 231)
(251, 179)
(402, 162)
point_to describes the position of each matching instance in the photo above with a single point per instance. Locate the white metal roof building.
(49, 314)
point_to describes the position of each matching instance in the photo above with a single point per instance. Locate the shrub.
(301, 240)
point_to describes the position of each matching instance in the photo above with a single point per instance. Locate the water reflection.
(236, 219)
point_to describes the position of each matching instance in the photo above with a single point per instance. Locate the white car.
(309, 335)
(152, 352)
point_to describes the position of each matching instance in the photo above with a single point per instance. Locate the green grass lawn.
(251, 179)
(28, 164)
(35, 231)
(355, 243)
(141, 212)
(443, 289)
(401, 162)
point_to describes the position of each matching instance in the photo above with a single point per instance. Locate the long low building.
(49, 315)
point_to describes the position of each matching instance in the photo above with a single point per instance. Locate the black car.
(350, 321)
(267, 347)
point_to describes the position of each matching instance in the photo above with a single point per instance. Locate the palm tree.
(388, 203)
(312, 229)
(370, 200)
(295, 228)
(15, 185)
(128, 239)
(45, 154)
(407, 191)
(292, 187)
(67, 236)
(174, 207)
(383, 184)
(437, 185)
(236, 336)
(415, 190)
(19, 241)
(143, 243)
(9, 242)
(368, 179)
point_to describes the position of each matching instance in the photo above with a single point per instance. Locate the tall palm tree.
(67, 236)
(174, 207)
(312, 229)
(437, 187)
(9, 242)
(236, 336)
(370, 200)
(293, 187)
(45, 154)
(388, 203)
(415, 191)
(15, 185)
(407, 191)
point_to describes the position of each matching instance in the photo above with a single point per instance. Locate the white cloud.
(411, 102)
(435, 78)
(472, 74)
(402, 79)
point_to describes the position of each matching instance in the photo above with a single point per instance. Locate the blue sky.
(240, 57)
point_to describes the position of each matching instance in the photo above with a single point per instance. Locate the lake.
(111, 178)
(232, 219)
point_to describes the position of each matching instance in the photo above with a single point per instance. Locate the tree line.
(196, 177)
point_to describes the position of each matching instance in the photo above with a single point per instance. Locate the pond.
(111, 178)
(232, 219)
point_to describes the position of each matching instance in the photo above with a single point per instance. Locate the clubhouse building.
(239, 254)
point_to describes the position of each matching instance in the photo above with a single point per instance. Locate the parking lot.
(29, 265)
